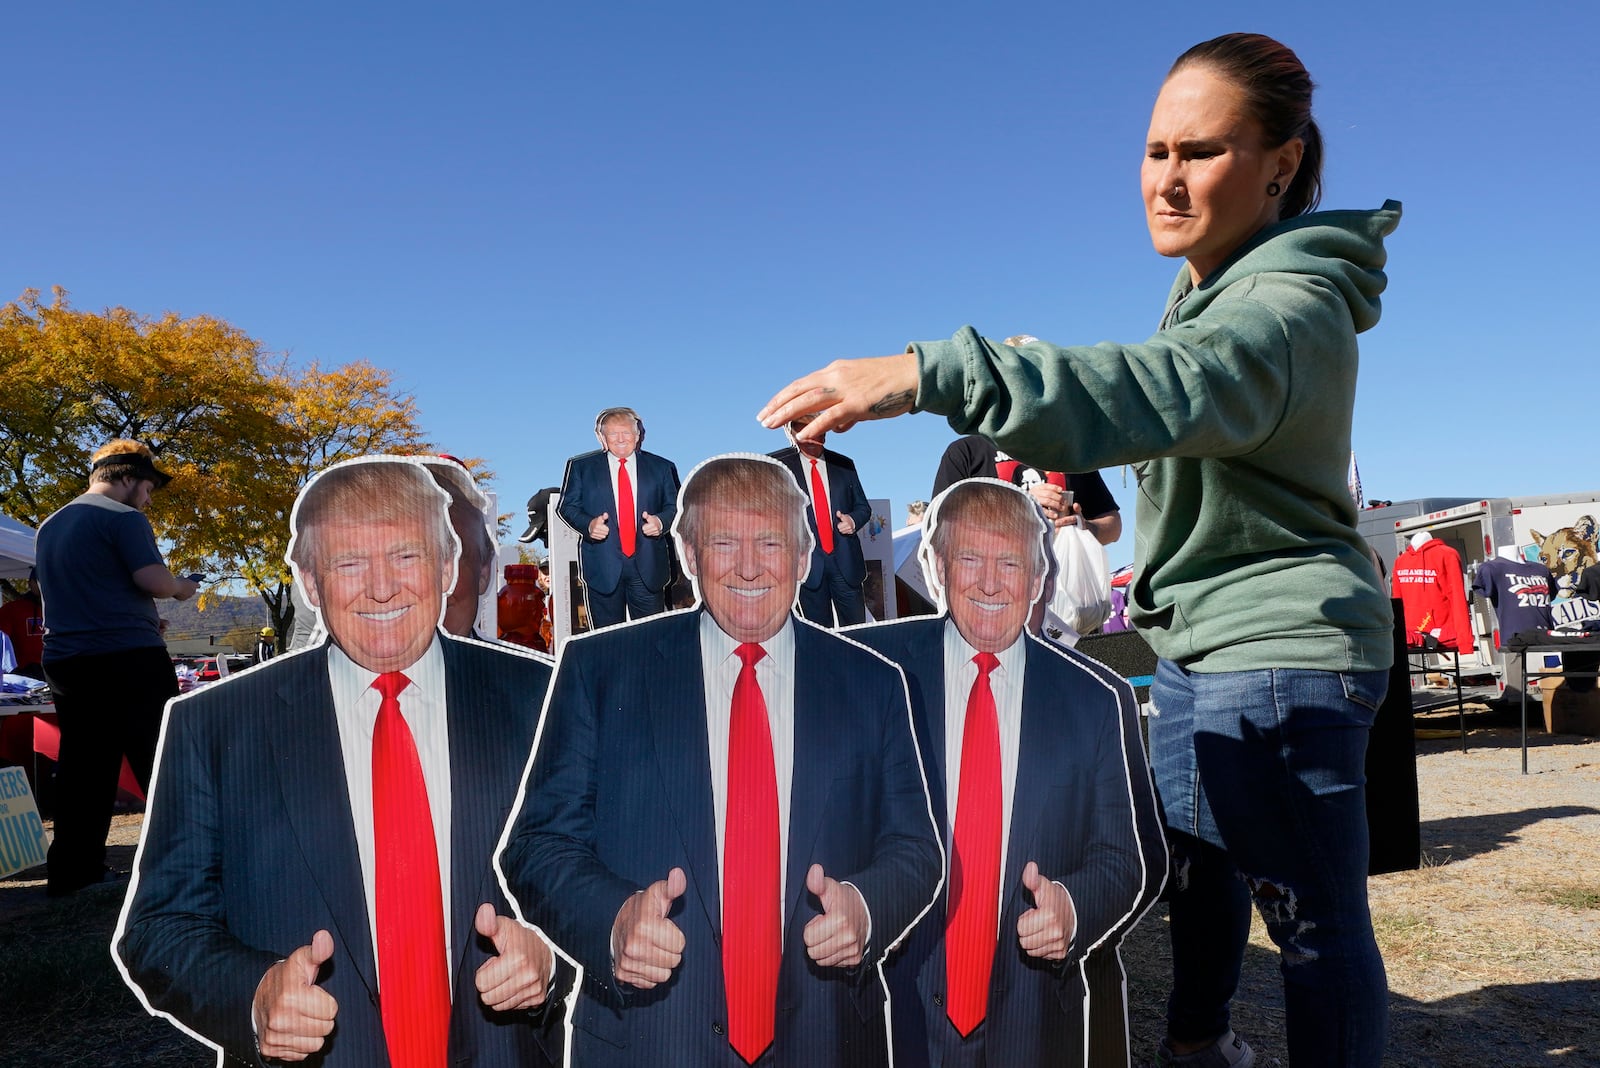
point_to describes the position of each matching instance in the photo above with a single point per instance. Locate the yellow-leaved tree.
(241, 431)
(318, 419)
(188, 388)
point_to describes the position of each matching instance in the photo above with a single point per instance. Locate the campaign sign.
(22, 840)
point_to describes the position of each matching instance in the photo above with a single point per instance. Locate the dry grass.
(62, 1000)
(1492, 947)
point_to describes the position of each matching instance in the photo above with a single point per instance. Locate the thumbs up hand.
(837, 938)
(600, 527)
(645, 945)
(518, 975)
(293, 1015)
(1046, 930)
(651, 527)
(846, 524)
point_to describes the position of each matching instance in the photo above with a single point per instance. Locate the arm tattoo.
(893, 404)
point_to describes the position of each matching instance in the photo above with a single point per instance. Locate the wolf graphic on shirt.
(1566, 552)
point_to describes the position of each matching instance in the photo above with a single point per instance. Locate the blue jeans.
(1260, 775)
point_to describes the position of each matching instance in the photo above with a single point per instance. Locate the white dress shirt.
(775, 674)
(960, 672)
(615, 465)
(422, 704)
(1005, 682)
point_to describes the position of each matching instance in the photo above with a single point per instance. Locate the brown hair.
(748, 483)
(1277, 91)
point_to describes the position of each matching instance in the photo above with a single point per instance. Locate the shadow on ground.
(1533, 1025)
(1459, 837)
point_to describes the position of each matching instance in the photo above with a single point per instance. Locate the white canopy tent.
(16, 548)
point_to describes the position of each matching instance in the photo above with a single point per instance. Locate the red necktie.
(752, 906)
(821, 509)
(974, 908)
(413, 975)
(625, 529)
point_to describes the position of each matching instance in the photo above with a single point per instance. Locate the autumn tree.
(191, 389)
(318, 419)
(240, 431)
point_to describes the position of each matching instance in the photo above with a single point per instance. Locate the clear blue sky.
(530, 211)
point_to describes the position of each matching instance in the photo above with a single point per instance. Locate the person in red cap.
(100, 575)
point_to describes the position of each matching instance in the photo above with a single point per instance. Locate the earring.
(1273, 189)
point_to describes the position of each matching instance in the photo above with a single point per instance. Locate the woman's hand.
(844, 393)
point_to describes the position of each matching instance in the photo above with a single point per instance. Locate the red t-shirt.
(21, 622)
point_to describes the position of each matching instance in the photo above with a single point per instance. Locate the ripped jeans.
(1261, 780)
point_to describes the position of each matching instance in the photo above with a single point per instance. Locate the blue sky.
(531, 211)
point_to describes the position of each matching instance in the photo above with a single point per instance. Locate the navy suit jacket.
(1072, 813)
(619, 793)
(249, 848)
(844, 495)
(586, 493)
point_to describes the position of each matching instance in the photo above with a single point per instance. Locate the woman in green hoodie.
(1251, 582)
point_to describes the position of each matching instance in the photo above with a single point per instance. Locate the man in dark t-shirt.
(104, 657)
(1092, 504)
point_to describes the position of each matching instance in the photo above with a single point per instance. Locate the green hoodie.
(1236, 416)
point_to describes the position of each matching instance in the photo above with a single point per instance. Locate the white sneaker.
(1229, 1051)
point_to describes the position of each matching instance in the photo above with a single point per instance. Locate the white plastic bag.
(1082, 598)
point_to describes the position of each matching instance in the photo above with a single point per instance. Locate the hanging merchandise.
(1427, 579)
(1520, 593)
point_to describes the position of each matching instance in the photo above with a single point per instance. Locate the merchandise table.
(1537, 642)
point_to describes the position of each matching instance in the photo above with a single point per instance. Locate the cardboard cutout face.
(983, 554)
(619, 436)
(744, 542)
(812, 448)
(374, 551)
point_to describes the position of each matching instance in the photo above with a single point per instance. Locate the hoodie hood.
(1344, 247)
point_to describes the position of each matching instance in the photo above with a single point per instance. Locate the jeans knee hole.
(1180, 872)
(1279, 908)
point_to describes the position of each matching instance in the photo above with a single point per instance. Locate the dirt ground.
(1492, 947)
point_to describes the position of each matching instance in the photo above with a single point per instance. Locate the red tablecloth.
(23, 734)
